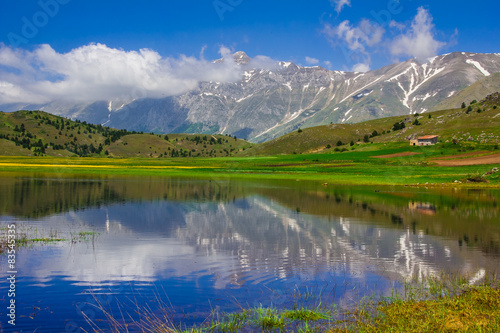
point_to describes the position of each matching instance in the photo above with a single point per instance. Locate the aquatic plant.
(445, 302)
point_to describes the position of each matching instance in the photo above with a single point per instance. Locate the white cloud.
(356, 37)
(418, 41)
(339, 4)
(361, 67)
(311, 61)
(263, 62)
(97, 72)
(396, 25)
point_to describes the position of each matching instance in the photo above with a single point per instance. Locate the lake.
(196, 246)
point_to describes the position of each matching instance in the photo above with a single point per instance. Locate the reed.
(443, 303)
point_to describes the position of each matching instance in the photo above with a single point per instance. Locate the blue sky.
(336, 34)
(283, 30)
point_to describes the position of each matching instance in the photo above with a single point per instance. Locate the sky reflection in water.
(200, 245)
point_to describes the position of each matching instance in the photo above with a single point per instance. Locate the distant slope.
(28, 133)
(476, 91)
(466, 128)
(32, 133)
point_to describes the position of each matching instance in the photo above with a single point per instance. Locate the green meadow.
(361, 165)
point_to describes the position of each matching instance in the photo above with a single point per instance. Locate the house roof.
(427, 137)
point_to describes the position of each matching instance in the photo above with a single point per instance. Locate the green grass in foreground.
(476, 310)
(438, 304)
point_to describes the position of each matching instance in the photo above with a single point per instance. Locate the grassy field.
(358, 166)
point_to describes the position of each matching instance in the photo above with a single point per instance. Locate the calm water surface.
(202, 245)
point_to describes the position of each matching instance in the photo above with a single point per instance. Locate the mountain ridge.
(31, 133)
(272, 101)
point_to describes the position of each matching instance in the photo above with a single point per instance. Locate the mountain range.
(269, 102)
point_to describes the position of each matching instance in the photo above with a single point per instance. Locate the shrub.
(299, 131)
(339, 143)
(398, 126)
(477, 178)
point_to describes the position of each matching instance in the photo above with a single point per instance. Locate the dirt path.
(487, 159)
(462, 155)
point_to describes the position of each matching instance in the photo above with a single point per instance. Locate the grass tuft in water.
(443, 303)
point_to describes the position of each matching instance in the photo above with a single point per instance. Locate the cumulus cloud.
(419, 41)
(356, 37)
(359, 39)
(311, 61)
(98, 72)
(339, 4)
(361, 67)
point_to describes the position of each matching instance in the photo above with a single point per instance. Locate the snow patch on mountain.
(361, 89)
(244, 98)
(363, 94)
(399, 75)
(478, 66)
(414, 86)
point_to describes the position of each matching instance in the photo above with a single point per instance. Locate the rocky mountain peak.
(241, 58)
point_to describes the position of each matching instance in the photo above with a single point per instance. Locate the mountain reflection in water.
(207, 242)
